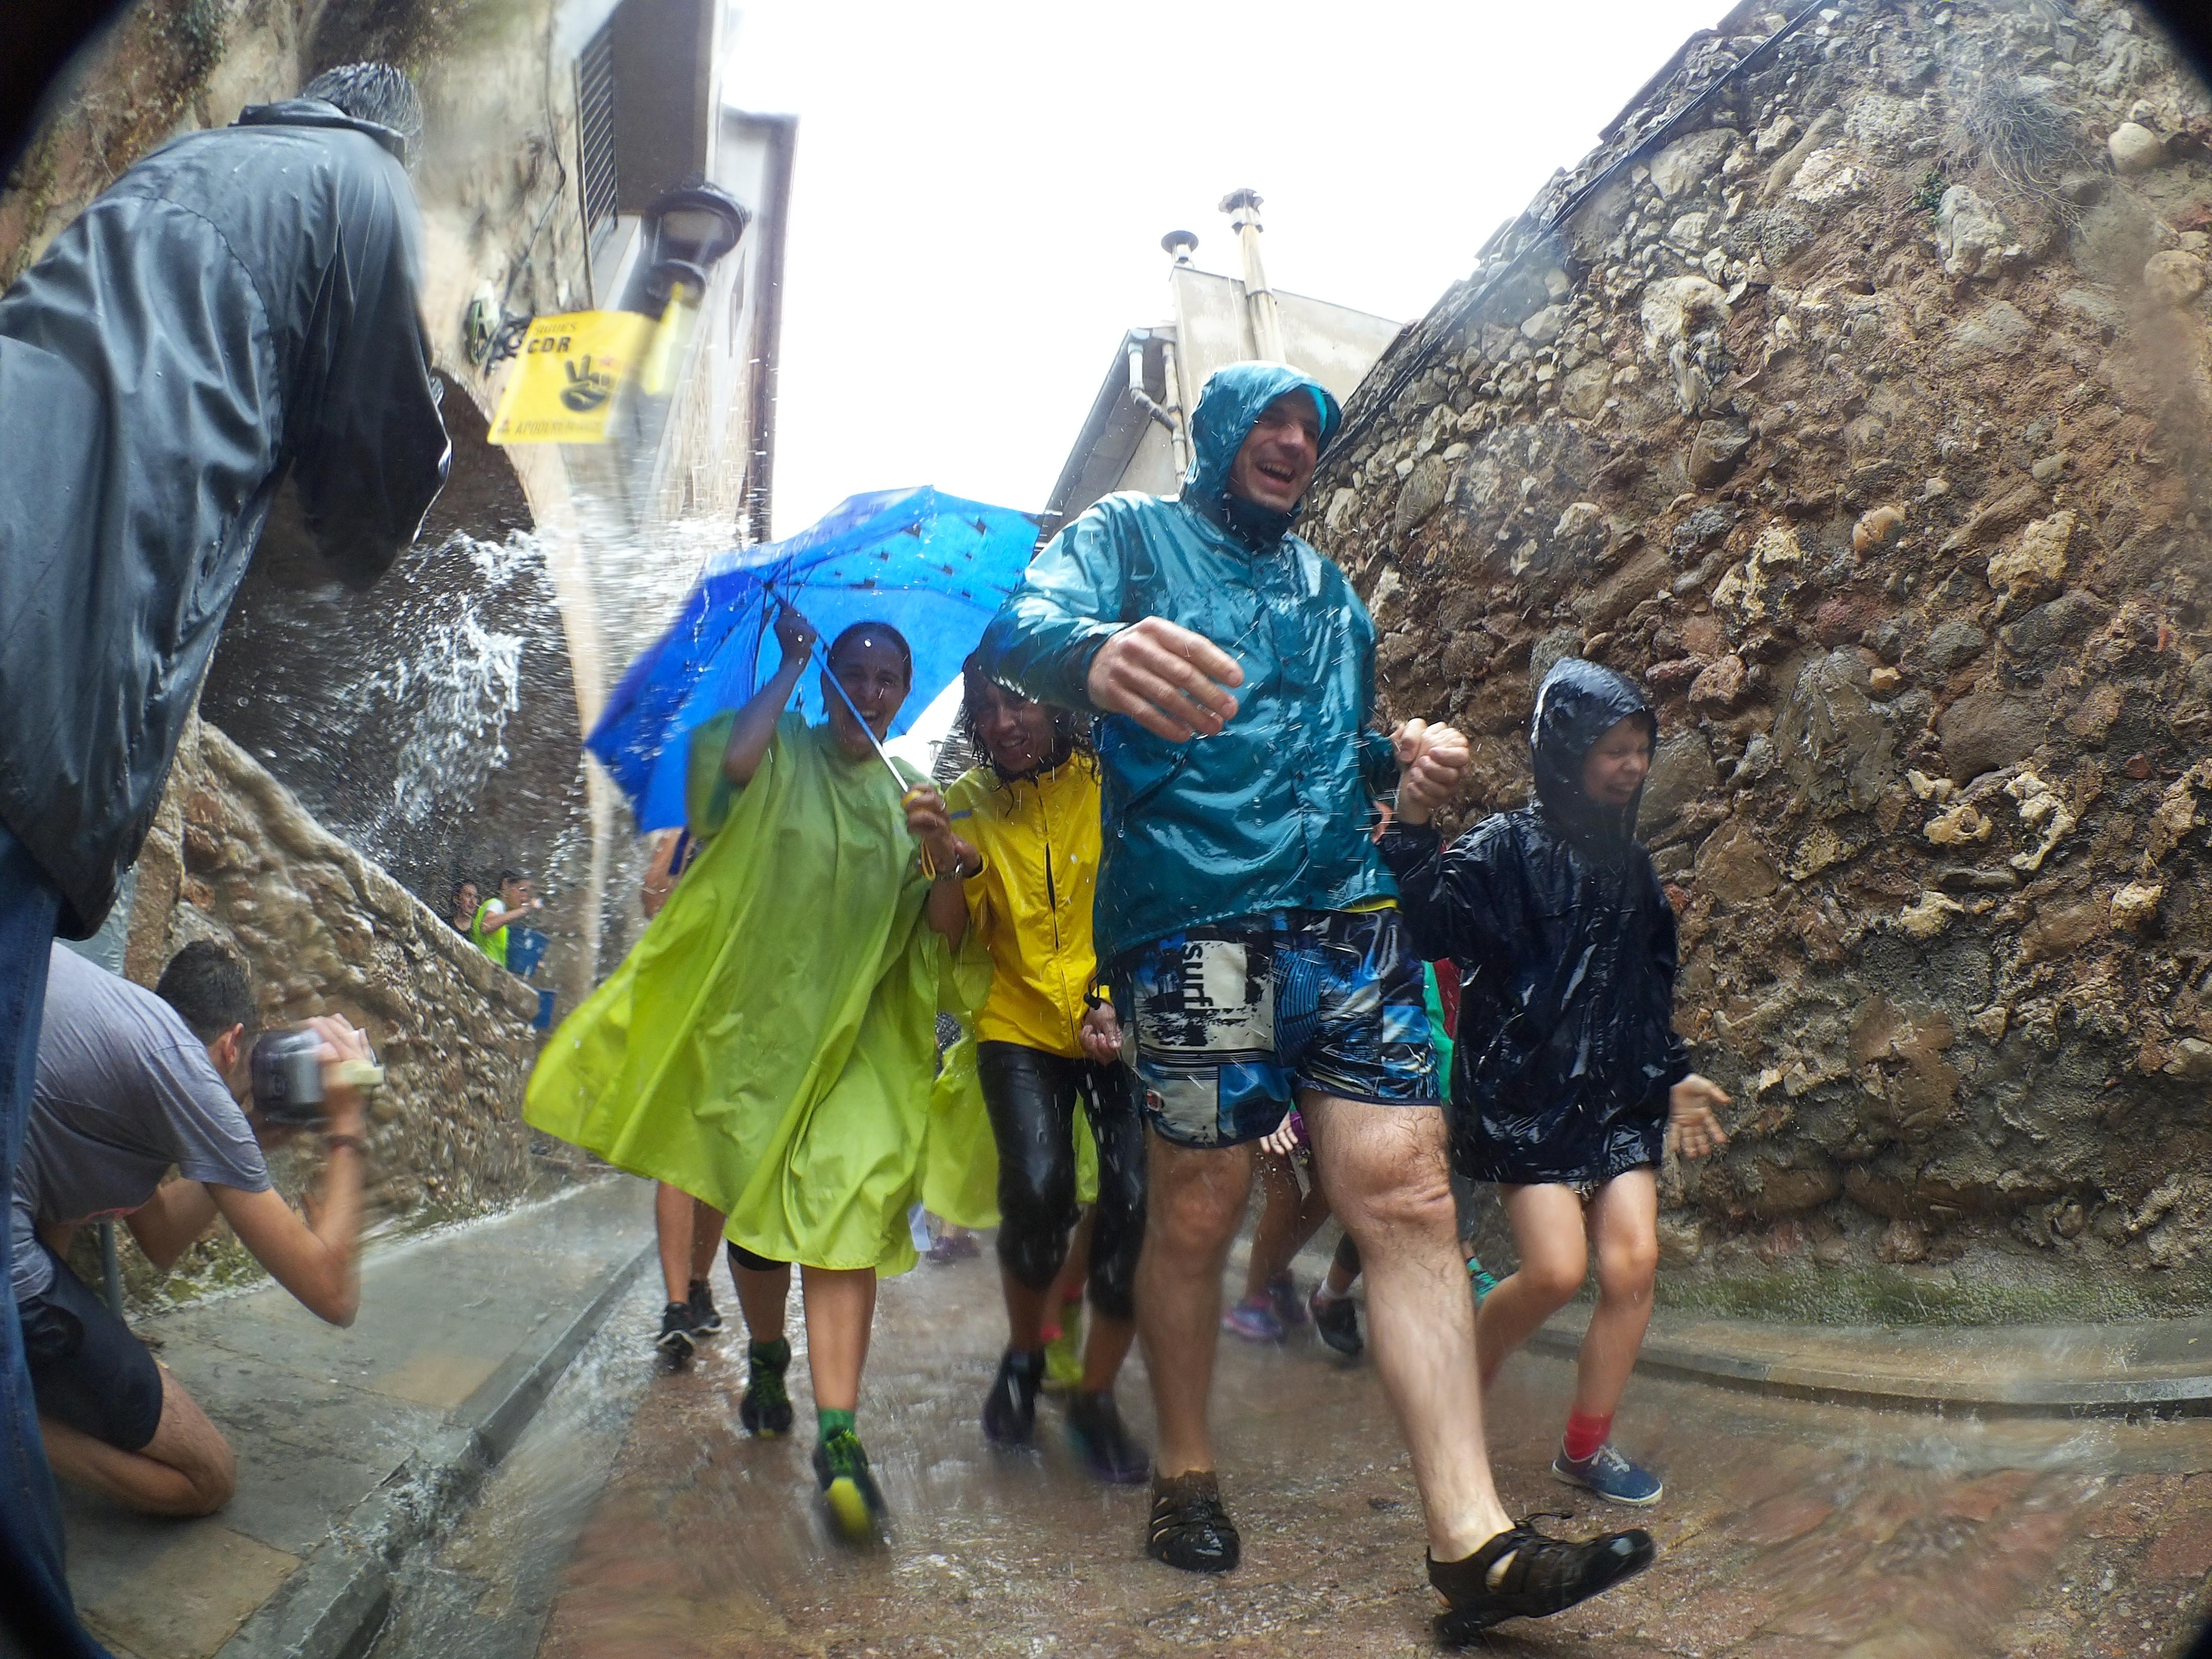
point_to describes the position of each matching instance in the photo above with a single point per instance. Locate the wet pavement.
(633, 1519)
(352, 1444)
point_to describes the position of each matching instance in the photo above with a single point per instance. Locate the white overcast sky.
(981, 185)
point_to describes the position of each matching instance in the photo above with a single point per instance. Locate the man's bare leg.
(707, 1224)
(185, 1469)
(672, 1228)
(1384, 1168)
(1194, 1201)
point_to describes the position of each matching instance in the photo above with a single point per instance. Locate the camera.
(287, 1073)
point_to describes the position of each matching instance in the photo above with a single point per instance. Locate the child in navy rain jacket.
(1568, 1073)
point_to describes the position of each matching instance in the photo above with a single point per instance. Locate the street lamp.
(686, 232)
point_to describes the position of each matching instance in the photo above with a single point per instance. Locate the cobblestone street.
(1789, 1531)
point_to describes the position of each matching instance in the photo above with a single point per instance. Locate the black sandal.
(1542, 1576)
(1190, 1529)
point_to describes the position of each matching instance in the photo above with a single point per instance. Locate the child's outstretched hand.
(1432, 761)
(1101, 1033)
(1696, 1131)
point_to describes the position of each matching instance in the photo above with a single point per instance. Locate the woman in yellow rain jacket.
(1043, 1042)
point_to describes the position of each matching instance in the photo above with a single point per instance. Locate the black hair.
(453, 896)
(873, 631)
(1071, 732)
(372, 92)
(506, 875)
(211, 990)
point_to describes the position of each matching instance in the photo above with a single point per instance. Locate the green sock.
(774, 1355)
(828, 1424)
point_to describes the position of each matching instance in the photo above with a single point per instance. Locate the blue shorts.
(1229, 1021)
(87, 1369)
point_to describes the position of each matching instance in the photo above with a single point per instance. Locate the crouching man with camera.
(131, 1081)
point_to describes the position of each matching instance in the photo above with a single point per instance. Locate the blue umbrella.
(933, 566)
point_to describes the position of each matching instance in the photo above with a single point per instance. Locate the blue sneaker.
(1610, 1475)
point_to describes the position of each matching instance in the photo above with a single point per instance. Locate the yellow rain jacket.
(1030, 911)
(1030, 906)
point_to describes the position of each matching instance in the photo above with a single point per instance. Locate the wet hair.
(211, 990)
(506, 876)
(374, 92)
(453, 896)
(1071, 732)
(865, 632)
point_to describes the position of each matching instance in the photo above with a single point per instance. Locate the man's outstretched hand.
(1432, 761)
(1173, 683)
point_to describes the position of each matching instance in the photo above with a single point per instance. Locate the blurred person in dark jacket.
(239, 307)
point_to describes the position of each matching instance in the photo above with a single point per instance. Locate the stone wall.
(234, 857)
(1854, 397)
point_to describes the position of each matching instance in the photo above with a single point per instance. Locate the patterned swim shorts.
(1228, 1022)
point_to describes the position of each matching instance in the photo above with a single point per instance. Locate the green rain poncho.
(768, 1045)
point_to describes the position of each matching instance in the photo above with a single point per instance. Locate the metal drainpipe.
(1142, 400)
(1172, 385)
(1243, 207)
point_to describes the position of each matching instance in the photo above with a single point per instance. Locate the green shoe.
(848, 1487)
(766, 1409)
(1063, 1355)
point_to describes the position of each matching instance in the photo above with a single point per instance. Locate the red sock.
(1586, 1434)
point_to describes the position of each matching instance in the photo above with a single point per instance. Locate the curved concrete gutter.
(2151, 1369)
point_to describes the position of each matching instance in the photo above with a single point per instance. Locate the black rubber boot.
(1094, 1427)
(1009, 1409)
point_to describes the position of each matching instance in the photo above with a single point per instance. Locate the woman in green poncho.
(767, 1047)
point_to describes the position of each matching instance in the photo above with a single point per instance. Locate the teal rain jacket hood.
(1274, 811)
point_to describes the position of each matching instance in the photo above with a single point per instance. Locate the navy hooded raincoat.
(1272, 812)
(1565, 943)
(240, 302)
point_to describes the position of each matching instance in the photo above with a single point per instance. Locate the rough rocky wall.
(232, 857)
(1855, 398)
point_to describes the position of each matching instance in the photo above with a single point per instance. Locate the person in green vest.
(768, 1046)
(489, 932)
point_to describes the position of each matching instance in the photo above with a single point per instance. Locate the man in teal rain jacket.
(1250, 931)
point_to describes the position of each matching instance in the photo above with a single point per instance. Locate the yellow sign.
(570, 375)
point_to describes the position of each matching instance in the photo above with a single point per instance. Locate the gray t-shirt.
(125, 1090)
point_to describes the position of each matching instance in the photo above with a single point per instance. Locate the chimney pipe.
(1180, 245)
(1243, 207)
